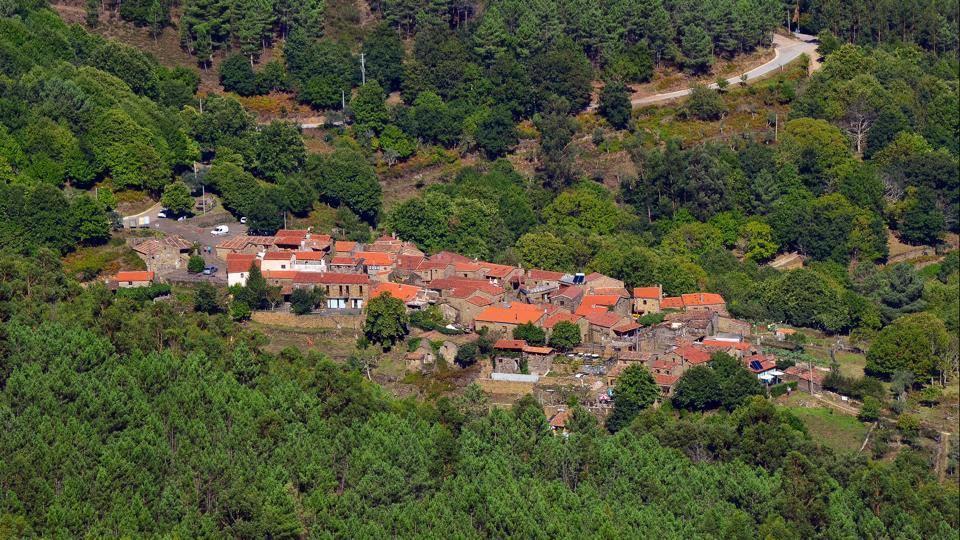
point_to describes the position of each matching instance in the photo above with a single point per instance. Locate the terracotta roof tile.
(478, 300)
(515, 313)
(693, 355)
(561, 316)
(671, 302)
(308, 255)
(240, 262)
(606, 319)
(133, 275)
(282, 255)
(405, 293)
(375, 258)
(510, 344)
(647, 292)
(702, 299)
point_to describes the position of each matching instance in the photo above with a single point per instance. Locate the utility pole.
(776, 126)
(343, 100)
(363, 70)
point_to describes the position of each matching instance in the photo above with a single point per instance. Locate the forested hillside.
(124, 416)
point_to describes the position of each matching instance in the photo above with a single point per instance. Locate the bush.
(428, 319)
(705, 104)
(143, 294)
(236, 75)
(467, 354)
(870, 412)
(196, 264)
(778, 390)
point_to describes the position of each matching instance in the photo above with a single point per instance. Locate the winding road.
(786, 50)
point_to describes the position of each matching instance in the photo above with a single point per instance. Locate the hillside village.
(617, 327)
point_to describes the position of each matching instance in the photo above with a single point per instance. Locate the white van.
(220, 230)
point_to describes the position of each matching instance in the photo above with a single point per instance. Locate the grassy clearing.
(335, 344)
(87, 263)
(826, 426)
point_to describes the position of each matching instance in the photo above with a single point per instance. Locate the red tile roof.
(665, 380)
(804, 373)
(290, 237)
(606, 319)
(570, 292)
(510, 344)
(662, 363)
(516, 313)
(409, 262)
(467, 284)
(702, 299)
(562, 316)
(344, 260)
(405, 293)
(133, 275)
(537, 350)
(559, 420)
(282, 255)
(478, 300)
(718, 344)
(595, 304)
(593, 276)
(626, 326)
(240, 262)
(427, 264)
(375, 258)
(242, 241)
(615, 291)
(497, 271)
(308, 255)
(466, 266)
(343, 245)
(693, 355)
(671, 302)
(647, 292)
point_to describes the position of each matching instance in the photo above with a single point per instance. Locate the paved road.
(191, 230)
(786, 50)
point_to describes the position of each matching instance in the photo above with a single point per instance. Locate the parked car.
(220, 230)
(162, 214)
(243, 220)
(210, 270)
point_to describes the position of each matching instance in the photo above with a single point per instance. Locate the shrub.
(143, 294)
(870, 412)
(196, 264)
(467, 354)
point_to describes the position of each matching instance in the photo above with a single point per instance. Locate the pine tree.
(491, 38)
(697, 49)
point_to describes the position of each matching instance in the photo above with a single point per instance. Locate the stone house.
(164, 254)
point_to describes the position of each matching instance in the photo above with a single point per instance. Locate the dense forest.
(123, 417)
